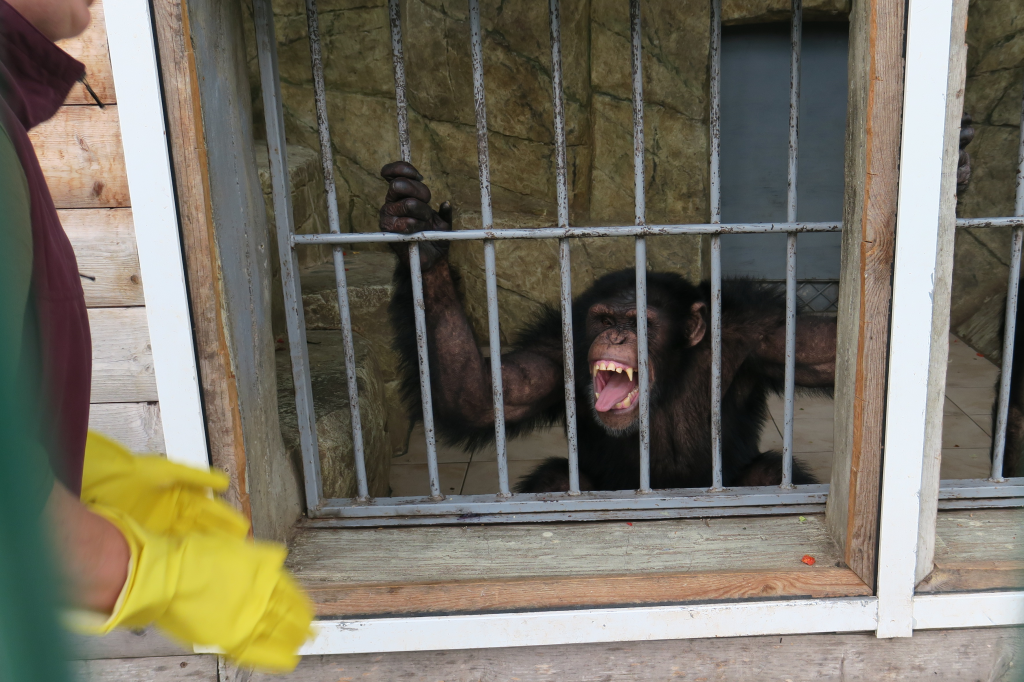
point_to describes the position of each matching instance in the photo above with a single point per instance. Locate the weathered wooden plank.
(104, 243)
(221, 92)
(940, 655)
(80, 152)
(374, 556)
(869, 218)
(122, 360)
(90, 48)
(188, 154)
(939, 346)
(123, 644)
(596, 591)
(136, 425)
(158, 669)
(977, 550)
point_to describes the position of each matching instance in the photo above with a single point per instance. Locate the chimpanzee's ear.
(696, 322)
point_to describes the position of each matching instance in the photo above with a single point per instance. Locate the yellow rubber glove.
(212, 590)
(163, 496)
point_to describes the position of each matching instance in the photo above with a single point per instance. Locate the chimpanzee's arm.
(815, 351)
(460, 375)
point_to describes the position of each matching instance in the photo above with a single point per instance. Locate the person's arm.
(92, 551)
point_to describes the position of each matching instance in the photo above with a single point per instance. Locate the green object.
(31, 640)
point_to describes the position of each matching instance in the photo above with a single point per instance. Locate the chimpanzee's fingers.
(402, 225)
(445, 213)
(400, 188)
(400, 169)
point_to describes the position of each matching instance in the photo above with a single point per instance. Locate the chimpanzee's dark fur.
(680, 393)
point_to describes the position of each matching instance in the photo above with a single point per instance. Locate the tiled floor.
(966, 437)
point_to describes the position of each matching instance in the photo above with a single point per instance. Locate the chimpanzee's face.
(613, 362)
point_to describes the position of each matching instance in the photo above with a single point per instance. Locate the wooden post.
(209, 100)
(192, 180)
(869, 218)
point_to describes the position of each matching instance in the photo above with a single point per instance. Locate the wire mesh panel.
(644, 502)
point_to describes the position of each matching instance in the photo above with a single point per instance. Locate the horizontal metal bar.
(586, 501)
(551, 517)
(963, 489)
(564, 232)
(981, 503)
(1014, 221)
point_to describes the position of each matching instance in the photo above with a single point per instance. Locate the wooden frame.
(241, 401)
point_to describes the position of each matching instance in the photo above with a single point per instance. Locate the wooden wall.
(80, 153)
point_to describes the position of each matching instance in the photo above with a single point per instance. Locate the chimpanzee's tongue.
(617, 388)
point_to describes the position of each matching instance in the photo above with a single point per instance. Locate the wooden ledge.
(352, 572)
(519, 594)
(977, 550)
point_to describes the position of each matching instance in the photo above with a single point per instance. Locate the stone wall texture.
(995, 78)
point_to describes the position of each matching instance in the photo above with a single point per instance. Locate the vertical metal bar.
(716, 245)
(398, 59)
(564, 265)
(334, 223)
(419, 310)
(639, 210)
(1010, 325)
(796, 32)
(266, 46)
(487, 220)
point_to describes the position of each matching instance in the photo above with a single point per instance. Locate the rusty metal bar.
(564, 265)
(419, 310)
(266, 48)
(1010, 327)
(565, 233)
(398, 59)
(334, 224)
(716, 245)
(796, 31)
(487, 220)
(639, 216)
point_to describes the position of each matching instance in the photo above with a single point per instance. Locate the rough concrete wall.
(995, 74)
(595, 53)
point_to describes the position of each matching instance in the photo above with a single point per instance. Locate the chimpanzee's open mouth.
(615, 388)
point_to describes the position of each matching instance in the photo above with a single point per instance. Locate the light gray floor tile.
(540, 444)
(965, 463)
(960, 431)
(812, 435)
(412, 479)
(974, 400)
(949, 407)
(417, 453)
(482, 477)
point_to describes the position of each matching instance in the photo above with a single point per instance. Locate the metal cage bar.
(564, 264)
(334, 224)
(422, 356)
(639, 217)
(270, 82)
(1009, 333)
(789, 389)
(487, 222)
(716, 244)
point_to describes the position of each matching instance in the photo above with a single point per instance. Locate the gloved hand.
(212, 590)
(164, 497)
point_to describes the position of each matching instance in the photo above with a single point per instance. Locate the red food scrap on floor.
(808, 559)
(629, 523)
(981, 355)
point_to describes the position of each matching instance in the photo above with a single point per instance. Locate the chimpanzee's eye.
(607, 321)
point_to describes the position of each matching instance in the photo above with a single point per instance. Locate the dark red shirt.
(35, 78)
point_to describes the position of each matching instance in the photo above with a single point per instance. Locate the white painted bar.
(378, 635)
(969, 610)
(917, 229)
(147, 159)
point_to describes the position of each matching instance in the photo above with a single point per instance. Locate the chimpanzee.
(605, 344)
